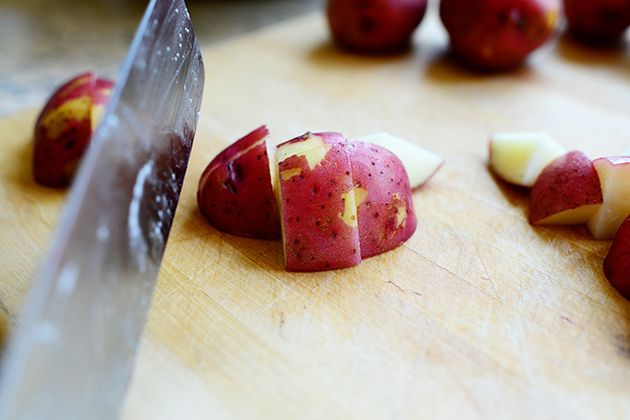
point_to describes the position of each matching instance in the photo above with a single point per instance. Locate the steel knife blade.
(75, 342)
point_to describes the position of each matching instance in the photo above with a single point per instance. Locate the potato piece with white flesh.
(317, 203)
(614, 176)
(64, 128)
(519, 158)
(421, 164)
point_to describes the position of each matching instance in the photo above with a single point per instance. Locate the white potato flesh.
(421, 164)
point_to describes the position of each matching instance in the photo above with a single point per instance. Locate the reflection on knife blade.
(73, 351)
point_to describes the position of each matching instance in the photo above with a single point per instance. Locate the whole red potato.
(374, 26)
(498, 34)
(64, 128)
(597, 21)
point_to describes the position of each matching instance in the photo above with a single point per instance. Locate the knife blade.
(75, 343)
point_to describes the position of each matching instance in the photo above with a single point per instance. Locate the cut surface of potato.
(519, 158)
(64, 128)
(421, 164)
(614, 176)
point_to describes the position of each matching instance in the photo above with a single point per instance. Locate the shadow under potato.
(592, 250)
(516, 195)
(24, 171)
(255, 250)
(446, 67)
(612, 56)
(327, 54)
(23, 177)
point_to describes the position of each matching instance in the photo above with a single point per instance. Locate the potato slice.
(317, 203)
(383, 194)
(519, 158)
(567, 192)
(614, 176)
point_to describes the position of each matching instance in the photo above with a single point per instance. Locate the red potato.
(64, 128)
(235, 192)
(617, 263)
(317, 203)
(597, 21)
(567, 192)
(100, 98)
(498, 34)
(383, 196)
(374, 26)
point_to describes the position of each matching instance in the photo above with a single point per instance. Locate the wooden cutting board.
(478, 315)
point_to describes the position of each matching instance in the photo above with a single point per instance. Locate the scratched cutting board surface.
(478, 315)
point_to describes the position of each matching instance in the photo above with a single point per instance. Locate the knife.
(74, 346)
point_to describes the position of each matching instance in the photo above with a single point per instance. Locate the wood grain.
(478, 315)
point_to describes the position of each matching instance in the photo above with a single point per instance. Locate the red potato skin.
(102, 91)
(617, 263)
(379, 172)
(597, 21)
(568, 182)
(235, 192)
(374, 26)
(64, 128)
(315, 237)
(498, 35)
(78, 85)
